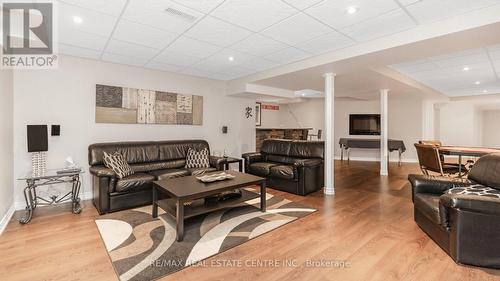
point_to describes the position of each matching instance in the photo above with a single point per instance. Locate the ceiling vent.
(180, 15)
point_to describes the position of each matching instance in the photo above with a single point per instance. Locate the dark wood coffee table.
(187, 189)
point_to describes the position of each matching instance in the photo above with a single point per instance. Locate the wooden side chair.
(318, 135)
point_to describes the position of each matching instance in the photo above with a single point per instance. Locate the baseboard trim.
(6, 218)
(21, 205)
(376, 159)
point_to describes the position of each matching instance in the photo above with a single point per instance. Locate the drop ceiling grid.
(446, 73)
(283, 47)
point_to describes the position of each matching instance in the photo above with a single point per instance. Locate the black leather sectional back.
(292, 166)
(150, 161)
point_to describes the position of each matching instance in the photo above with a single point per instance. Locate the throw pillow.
(117, 163)
(197, 159)
(478, 190)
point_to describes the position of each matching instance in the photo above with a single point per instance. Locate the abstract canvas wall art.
(139, 106)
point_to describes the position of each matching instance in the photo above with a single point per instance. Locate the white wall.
(66, 96)
(6, 145)
(405, 123)
(460, 123)
(491, 132)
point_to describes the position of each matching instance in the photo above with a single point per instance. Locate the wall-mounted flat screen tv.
(364, 124)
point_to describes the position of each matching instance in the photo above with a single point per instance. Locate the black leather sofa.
(150, 161)
(464, 224)
(292, 166)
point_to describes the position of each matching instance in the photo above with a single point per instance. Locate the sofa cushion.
(486, 171)
(262, 168)
(146, 167)
(199, 171)
(307, 149)
(197, 159)
(286, 172)
(166, 174)
(118, 164)
(428, 204)
(477, 190)
(134, 181)
(171, 150)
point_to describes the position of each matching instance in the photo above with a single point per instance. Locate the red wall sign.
(270, 107)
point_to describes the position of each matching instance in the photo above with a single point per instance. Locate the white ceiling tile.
(204, 6)
(217, 32)
(493, 48)
(220, 61)
(204, 74)
(78, 38)
(422, 66)
(254, 15)
(178, 59)
(143, 35)
(383, 25)
(259, 45)
(288, 55)
(163, 66)
(495, 55)
(427, 11)
(78, 52)
(302, 4)
(333, 12)
(111, 7)
(92, 22)
(193, 48)
(152, 12)
(123, 59)
(131, 50)
(461, 61)
(407, 2)
(328, 42)
(236, 72)
(297, 29)
(258, 64)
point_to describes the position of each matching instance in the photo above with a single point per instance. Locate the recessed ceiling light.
(466, 68)
(231, 58)
(477, 82)
(485, 91)
(77, 20)
(352, 10)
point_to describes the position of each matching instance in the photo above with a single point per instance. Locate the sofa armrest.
(216, 162)
(307, 162)
(252, 157)
(434, 185)
(472, 203)
(102, 171)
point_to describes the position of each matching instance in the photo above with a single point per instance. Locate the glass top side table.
(51, 177)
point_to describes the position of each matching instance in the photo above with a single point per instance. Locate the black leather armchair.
(462, 216)
(292, 166)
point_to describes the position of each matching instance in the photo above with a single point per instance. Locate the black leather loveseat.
(462, 216)
(291, 166)
(150, 161)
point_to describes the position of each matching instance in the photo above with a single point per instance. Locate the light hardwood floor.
(368, 222)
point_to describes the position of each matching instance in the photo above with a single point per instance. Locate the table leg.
(348, 151)
(180, 220)
(226, 166)
(75, 195)
(399, 163)
(240, 166)
(342, 153)
(263, 196)
(28, 197)
(154, 212)
(460, 166)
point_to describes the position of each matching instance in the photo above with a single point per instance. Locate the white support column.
(384, 151)
(329, 132)
(428, 130)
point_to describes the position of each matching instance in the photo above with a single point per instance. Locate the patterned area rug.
(143, 248)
